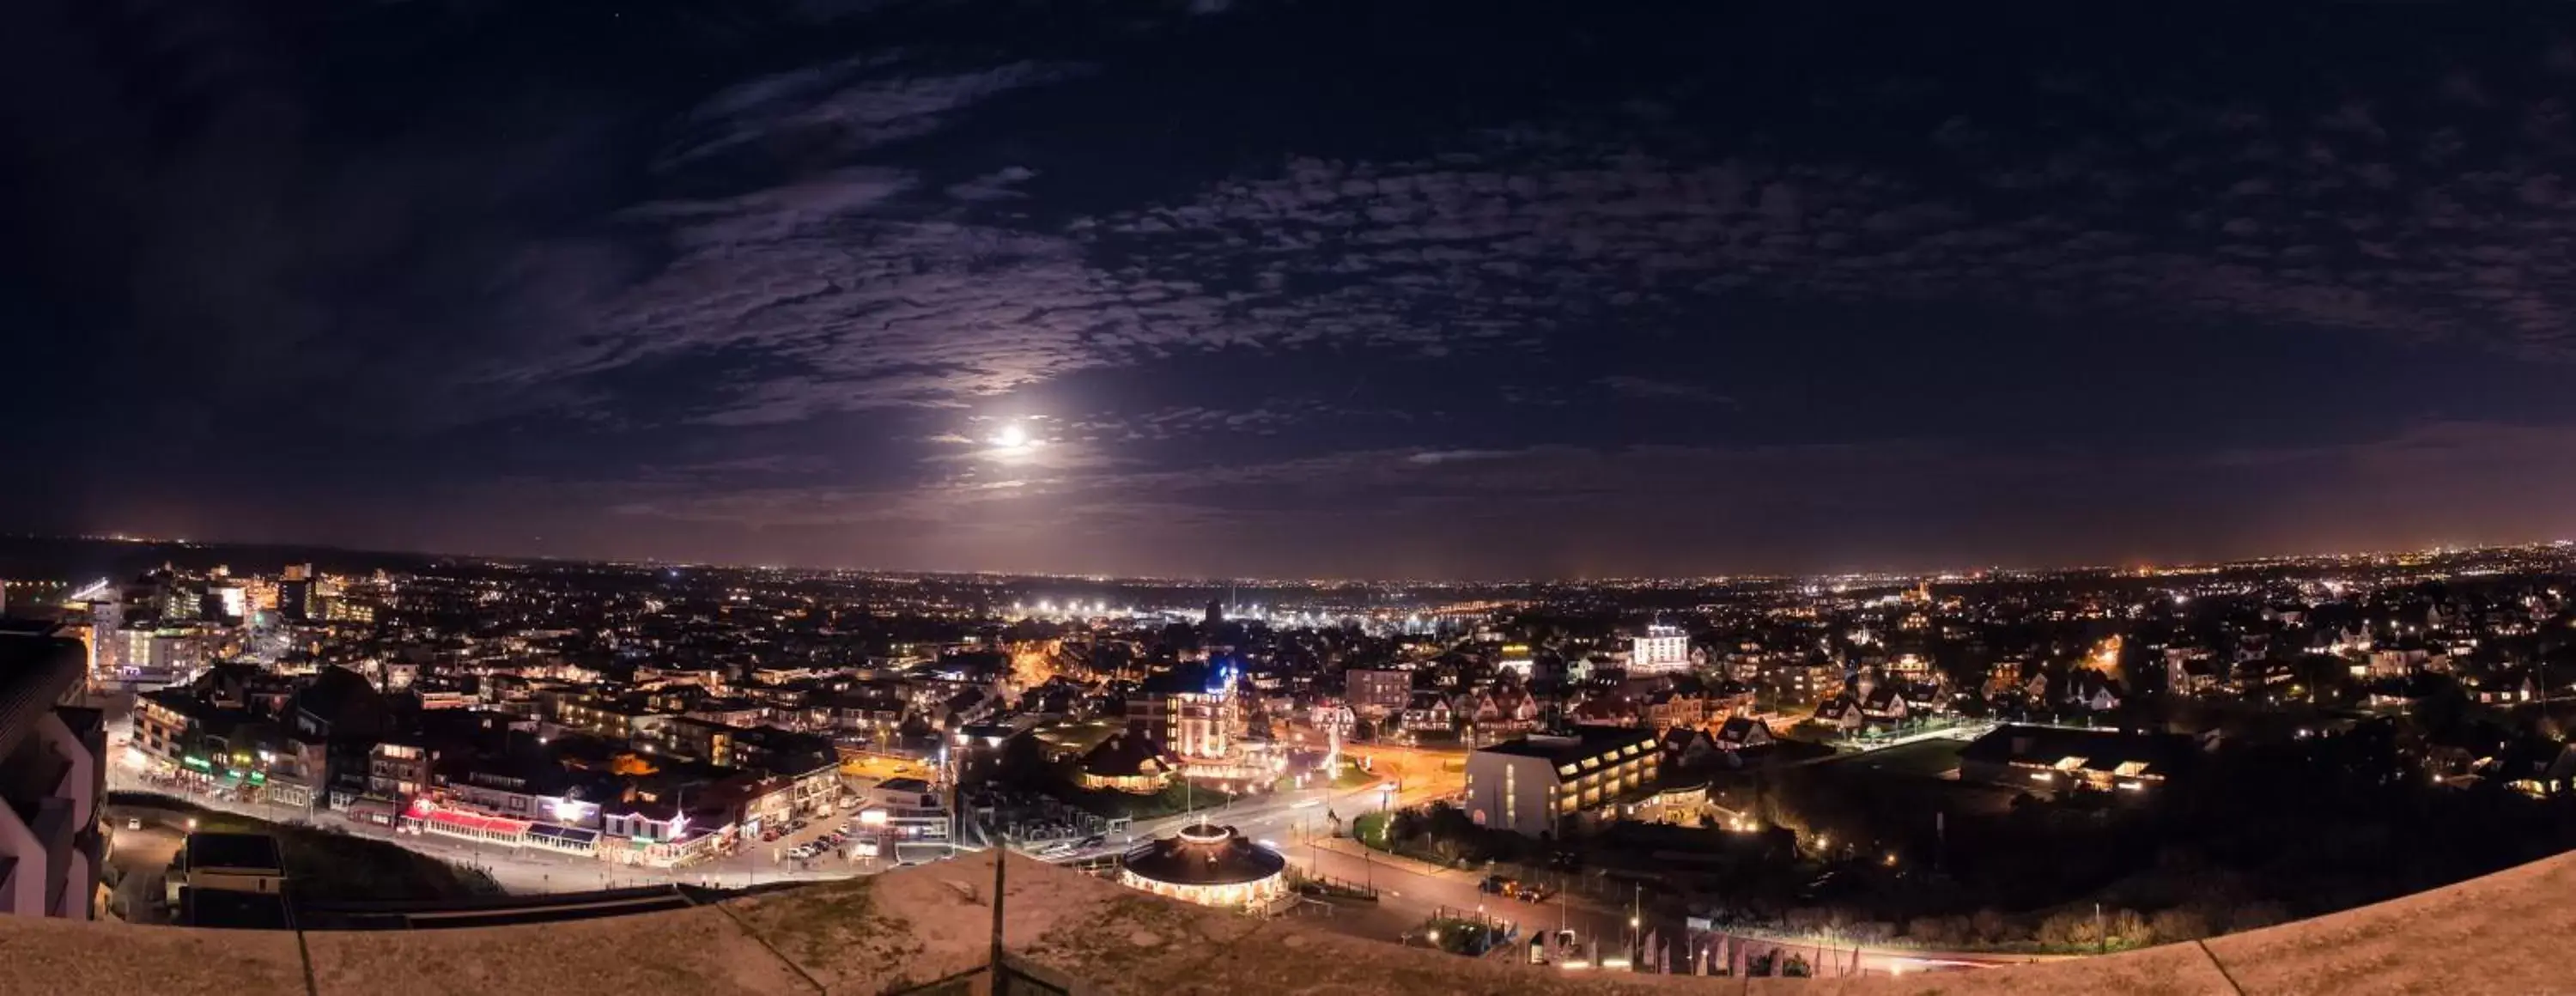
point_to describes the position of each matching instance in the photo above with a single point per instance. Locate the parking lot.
(813, 842)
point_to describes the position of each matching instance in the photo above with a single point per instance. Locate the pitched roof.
(338, 693)
(1125, 755)
(1740, 729)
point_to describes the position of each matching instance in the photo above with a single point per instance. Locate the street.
(524, 870)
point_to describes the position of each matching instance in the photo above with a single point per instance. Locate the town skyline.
(1954, 571)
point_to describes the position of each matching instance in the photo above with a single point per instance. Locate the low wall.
(929, 926)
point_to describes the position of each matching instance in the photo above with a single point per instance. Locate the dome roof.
(1201, 854)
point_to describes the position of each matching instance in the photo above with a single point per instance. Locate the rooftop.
(1201, 854)
(2099, 750)
(233, 851)
(1587, 741)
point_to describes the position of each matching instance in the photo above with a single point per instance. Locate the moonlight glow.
(1013, 439)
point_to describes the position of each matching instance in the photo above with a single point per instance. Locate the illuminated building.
(397, 770)
(1210, 866)
(1127, 762)
(1537, 784)
(610, 720)
(107, 646)
(1375, 694)
(222, 604)
(258, 596)
(1190, 710)
(2043, 758)
(166, 724)
(907, 811)
(1663, 649)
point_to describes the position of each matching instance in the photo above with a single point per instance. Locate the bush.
(2127, 929)
(1941, 931)
(1371, 829)
(2182, 923)
(2067, 930)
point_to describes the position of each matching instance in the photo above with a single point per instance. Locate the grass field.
(1921, 759)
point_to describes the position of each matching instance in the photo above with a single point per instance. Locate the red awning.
(456, 820)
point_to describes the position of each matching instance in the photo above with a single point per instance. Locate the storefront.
(462, 825)
(564, 840)
(657, 854)
(379, 812)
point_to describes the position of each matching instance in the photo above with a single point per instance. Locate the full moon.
(1013, 438)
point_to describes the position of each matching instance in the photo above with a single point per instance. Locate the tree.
(1406, 825)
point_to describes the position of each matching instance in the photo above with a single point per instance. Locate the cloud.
(853, 279)
(1455, 456)
(999, 185)
(850, 106)
(1651, 389)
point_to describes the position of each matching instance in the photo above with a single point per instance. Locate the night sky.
(1366, 289)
